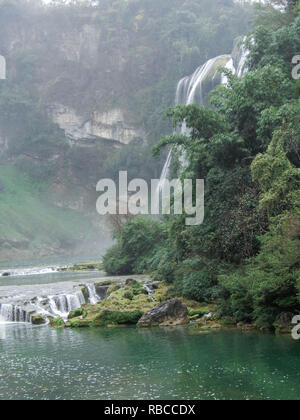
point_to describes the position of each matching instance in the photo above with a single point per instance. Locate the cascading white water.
(165, 172)
(93, 297)
(32, 271)
(12, 313)
(149, 291)
(21, 309)
(194, 89)
(62, 305)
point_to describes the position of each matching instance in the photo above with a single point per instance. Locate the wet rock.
(130, 282)
(171, 312)
(101, 291)
(38, 320)
(76, 313)
(153, 286)
(6, 274)
(113, 288)
(85, 292)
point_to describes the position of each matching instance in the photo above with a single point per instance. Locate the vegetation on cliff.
(90, 58)
(245, 256)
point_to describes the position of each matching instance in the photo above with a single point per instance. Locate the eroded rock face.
(109, 125)
(171, 312)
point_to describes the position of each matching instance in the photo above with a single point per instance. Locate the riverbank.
(83, 296)
(129, 302)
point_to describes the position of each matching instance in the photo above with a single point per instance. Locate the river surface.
(130, 363)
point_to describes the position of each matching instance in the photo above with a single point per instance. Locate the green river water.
(130, 363)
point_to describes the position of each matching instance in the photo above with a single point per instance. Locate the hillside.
(87, 88)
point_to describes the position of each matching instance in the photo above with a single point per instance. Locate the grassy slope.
(24, 218)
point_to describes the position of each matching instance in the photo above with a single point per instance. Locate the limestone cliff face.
(75, 77)
(60, 70)
(108, 125)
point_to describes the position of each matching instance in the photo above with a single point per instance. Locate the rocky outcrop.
(38, 320)
(171, 312)
(283, 323)
(106, 126)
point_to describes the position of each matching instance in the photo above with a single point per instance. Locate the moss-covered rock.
(131, 282)
(109, 317)
(171, 312)
(57, 322)
(104, 283)
(78, 323)
(85, 292)
(123, 306)
(76, 313)
(113, 288)
(38, 320)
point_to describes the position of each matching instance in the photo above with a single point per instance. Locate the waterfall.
(53, 304)
(32, 271)
(194, 89)
(93, 297)
(165, 172)
(62, 305)
(149, 291)
(11, 313)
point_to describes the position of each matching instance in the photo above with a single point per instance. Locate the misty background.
(88, 84)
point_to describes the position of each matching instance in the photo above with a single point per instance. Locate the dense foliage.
(246, 254)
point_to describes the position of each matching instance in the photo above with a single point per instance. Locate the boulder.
(38, 320)
(283, 323)
(85, 292)
(113, 288)
(130, 282)
(152, 286)
(171, 312)
(101, 291)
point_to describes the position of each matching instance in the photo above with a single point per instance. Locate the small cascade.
(93, 297)
(239, 55)
(149, 291)
(165, 172)
(62, 305)
(53, 304)
(11, 313)
(33, 271)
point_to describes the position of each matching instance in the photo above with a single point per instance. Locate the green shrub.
(196, 280)
(115, 262)
(135, 248)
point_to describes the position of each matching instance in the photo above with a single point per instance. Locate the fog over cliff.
(86, 90)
